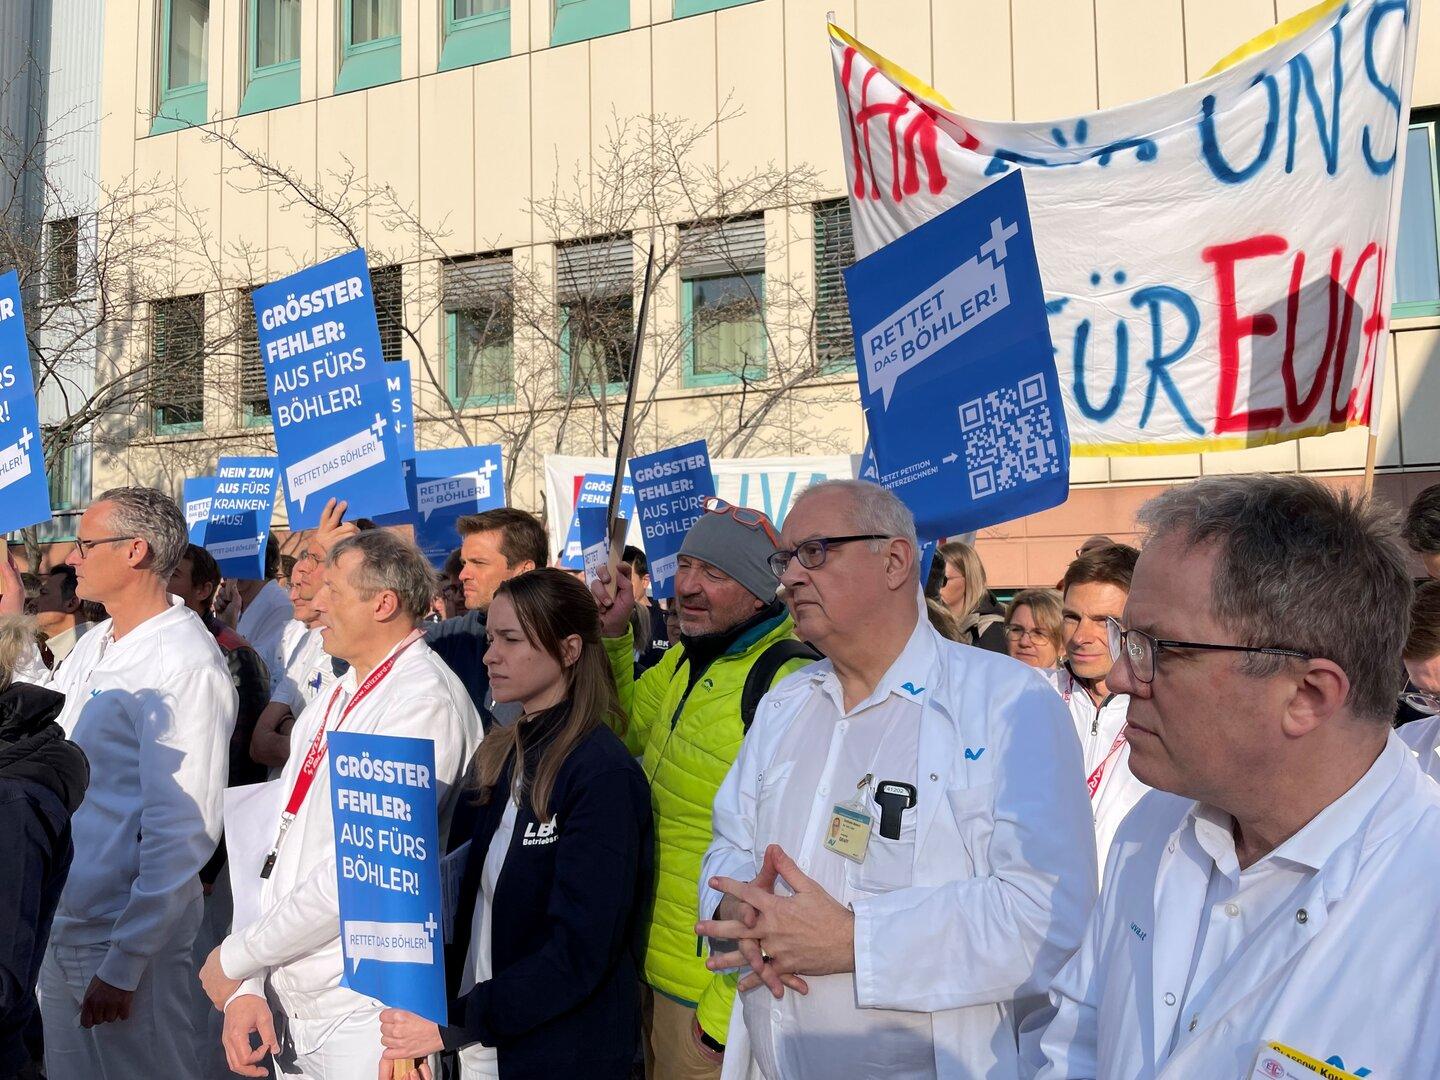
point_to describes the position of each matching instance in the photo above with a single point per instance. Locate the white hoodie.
(296, 940)
(153, 713)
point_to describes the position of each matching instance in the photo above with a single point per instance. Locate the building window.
(699, 7)
(273, 55)
(177, 364)
(595, 281)
(387, 283)
(254, 393)
(475, 31)
(60, 471)
(184, 37)
(722, 278)
(1417, 257)
(576, 20)
(834, 251)
(479, 330)
(370, 43)
(62, 259)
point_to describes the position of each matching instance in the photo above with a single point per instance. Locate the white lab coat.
(1349, 967)
(1004, 873)
(262, 623)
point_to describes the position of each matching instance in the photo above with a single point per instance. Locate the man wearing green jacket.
(686, 726)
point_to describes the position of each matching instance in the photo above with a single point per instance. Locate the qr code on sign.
(1009, 438)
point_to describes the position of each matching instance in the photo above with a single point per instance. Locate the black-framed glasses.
(811, 553)
(86, 546)
(1140, 649)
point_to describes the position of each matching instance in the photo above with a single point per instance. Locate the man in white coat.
(377, 589)
(1094, 590)
(149, 699)
(903, 848)
(1267, 891)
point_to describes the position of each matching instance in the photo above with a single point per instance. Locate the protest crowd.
(853, 823)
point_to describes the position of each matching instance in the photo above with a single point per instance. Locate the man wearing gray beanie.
(687, 718)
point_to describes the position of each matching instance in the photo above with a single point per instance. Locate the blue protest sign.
(402, 406)
(594, 491)
(387, 866)
(197, 495)
(334, 432)
(957, 373)
(927, 559)
(448, 484)
(670, 491)
(594, 539)
(239, 519)
(24, 489)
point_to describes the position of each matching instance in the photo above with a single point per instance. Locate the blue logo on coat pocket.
(973, 755)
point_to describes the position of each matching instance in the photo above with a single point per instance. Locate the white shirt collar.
(1321, 837)
(906, 678)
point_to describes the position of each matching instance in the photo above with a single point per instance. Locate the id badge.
(849, 833)
(1276, 1061)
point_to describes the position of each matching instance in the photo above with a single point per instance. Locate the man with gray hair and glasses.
(1272, 889)
(149, 699)
(903, 849)
(376, 591)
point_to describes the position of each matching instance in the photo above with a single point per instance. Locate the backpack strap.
(763, 671)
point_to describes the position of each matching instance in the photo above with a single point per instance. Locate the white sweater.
(296, 940)
(262, 624)
(153, 713)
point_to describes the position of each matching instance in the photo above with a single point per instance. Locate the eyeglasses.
(1140, 649)
(743, 515)
(86, 546)
(1422, 701)
(812, 553)
(1020, 633)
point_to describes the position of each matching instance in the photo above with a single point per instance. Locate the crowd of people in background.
(822, 814)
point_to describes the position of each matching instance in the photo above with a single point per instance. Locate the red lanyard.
(316, 754)
(1093, 780)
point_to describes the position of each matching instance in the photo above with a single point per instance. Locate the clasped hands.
(781, 939)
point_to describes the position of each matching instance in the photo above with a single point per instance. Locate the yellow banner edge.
(1201, 446)
(912, 84)
(1281, 31)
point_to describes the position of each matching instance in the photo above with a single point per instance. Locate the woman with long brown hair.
(541, 972)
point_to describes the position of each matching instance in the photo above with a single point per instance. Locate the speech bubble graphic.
(390, 942)
(663, 569)
(954, 305)
(196, 510)
(15, 460)
(334, 463)
(237, 549)
(446, 491)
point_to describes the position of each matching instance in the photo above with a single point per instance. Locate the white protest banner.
(1216, 260)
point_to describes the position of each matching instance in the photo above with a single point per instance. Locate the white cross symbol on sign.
(995, 246)
(25, 440)
(488, 469)
(431, 925)
(378, 427)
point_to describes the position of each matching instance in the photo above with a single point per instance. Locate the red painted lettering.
(918, 142)
(1297, 409)
(1235, 327)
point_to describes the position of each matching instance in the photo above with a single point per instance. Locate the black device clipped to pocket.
(894, 798)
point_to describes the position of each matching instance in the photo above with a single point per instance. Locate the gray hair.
(1303, 567)
(388, 562)
(17, 635)
(152, 516)
(874, 509)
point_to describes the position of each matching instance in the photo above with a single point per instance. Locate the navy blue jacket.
(460, 642)
(42, 782)
(566, 919)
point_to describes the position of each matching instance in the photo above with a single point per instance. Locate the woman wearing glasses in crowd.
(1032, 628)
(963, 590)
(1419, 713)
(541, 972)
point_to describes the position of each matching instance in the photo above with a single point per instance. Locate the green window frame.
(177, 364)
(595, 291)
(1417, 267)
(579, 20)
(475, 38)
(722, 291)
(477, 296)
(700, 7)
(366, 63)
(180, 106)
(276, 84)
(834, 250)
